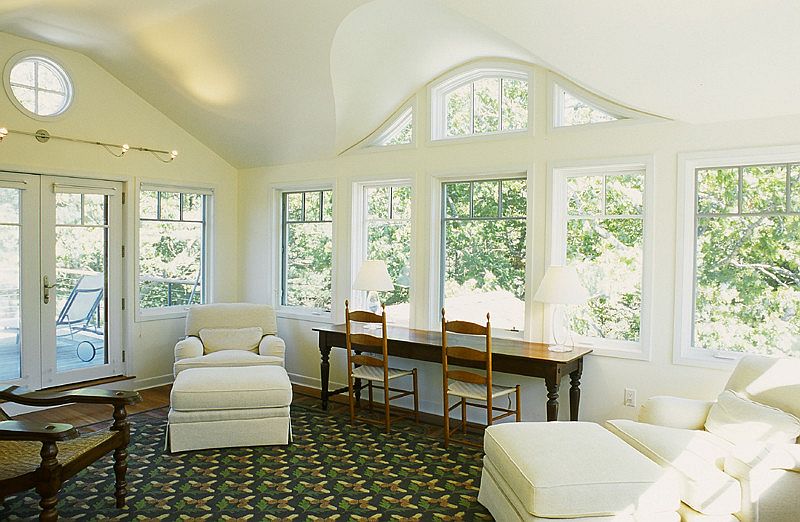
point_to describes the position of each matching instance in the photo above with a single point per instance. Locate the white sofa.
(229, 335)
(736, 458)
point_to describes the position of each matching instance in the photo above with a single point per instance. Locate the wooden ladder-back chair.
(470, 385)
(372, 369)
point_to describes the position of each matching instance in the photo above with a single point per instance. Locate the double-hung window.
(307, 261)
(173, 244)
(386, 236)
(599, 227)
(483, 251)
(740, 284)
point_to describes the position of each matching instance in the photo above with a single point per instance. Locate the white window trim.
(467, 74)
(276, 218)
(359, 237)
(435, 297)
(684, 353)
(43, 55)
(173, 312)
(555, 254)
(625, 115)
(398, 120)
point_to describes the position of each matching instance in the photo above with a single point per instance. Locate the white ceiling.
(276, 81)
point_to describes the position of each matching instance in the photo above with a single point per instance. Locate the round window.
(39, 86)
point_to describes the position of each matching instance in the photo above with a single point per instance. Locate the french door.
(60, 279)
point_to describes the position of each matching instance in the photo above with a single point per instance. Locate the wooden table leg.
(552, 383)
(324, 369)
(575, 392)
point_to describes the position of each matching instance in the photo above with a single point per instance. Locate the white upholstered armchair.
(229, 334)
(736, 458)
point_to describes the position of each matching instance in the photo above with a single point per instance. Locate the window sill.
(161, 314)
(471, 138)
(619, 350)
(304, 315)
(716, 360)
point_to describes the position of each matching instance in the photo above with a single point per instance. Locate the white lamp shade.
(373, 275)
(561, 285)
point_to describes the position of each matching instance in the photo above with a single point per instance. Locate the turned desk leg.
(575, 393)
(324, 370)
(552, 384)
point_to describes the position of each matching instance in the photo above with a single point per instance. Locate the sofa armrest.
(272, 345)
(675, 412)
(754, 459)
(189, 347)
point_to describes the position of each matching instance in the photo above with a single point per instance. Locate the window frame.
(61, 70)
(399, 119)
(469, 74)
(207, 256)
(684, 353)
(437, 246)
(556, 245)
(625, 115)
(359, 236)
(278, 243)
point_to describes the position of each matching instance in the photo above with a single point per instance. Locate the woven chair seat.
(21, 457)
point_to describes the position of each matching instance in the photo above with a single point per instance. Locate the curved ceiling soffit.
(692, 61)
(372, 79)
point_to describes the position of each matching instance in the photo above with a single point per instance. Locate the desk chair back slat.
(467, 354)
(470, 377)
(365, 360)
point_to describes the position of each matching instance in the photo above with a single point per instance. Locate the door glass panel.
(10, 312)
(81, 267)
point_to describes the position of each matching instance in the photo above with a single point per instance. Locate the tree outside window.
(604, 226)
(307, 249)
(747, 259)
(388, 238)
(484, 252)
(172, 248)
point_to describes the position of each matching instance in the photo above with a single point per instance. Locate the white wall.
(604, 378)
(106, 110)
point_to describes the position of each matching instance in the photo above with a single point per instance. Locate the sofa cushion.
(695, 456)
(741, 421)
(217, 339)
(201, 389)
(576, 469)
(226, 359)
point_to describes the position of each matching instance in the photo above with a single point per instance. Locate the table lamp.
(373, 277)
(561, 286)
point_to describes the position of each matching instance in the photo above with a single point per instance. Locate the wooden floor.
(80, 415)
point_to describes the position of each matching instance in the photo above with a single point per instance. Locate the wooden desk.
(508, 356)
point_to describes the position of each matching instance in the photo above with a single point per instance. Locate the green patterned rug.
(332, 472)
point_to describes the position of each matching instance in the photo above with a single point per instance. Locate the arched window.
(399, 132)
(480, 101)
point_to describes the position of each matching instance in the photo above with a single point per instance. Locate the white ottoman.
(537, 471)
(228, 407)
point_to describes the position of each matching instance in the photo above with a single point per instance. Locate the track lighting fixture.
(42, 136)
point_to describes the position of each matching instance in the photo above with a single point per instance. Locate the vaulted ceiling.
(277, 81)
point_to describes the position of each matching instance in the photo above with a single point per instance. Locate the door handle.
(47, 287)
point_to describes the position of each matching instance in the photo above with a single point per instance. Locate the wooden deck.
(66, 353)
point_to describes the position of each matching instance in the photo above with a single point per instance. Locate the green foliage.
(748, 262)
(475, 108)
(605, 240)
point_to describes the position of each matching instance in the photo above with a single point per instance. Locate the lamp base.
(559, 348)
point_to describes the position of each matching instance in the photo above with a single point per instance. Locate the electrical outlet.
(630, 397)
